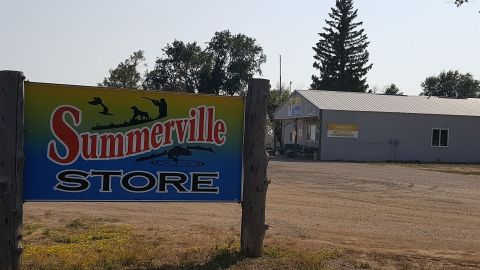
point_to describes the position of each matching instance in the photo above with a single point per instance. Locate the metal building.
(349, 126)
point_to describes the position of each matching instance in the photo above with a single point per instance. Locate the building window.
(311, 132)
(440, 137)
(292, 136)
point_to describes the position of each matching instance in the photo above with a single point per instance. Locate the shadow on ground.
(222, 260)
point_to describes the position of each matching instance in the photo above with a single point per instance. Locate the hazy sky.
(77, 42)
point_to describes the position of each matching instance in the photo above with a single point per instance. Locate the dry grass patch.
(465, 169)
(95, 244)
(81, 244)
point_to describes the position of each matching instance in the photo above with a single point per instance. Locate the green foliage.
(451, 84)
(392, 90)
(275, 99)
(126, 74)
(341, 54)
(179, 69)
(223, 67)
(235, 59)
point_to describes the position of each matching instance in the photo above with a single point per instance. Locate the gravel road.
(389, 214)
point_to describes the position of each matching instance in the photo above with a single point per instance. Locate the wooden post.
(296, 134)
(274, 138)
(319, 128)
(11, 168)
(255, 161)
(282, 139)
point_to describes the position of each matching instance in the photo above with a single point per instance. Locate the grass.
(92, 244)
(80, 244)
(454, 168)
(285, 257)
(464, 169)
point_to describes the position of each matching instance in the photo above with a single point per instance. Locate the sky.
(77, 42)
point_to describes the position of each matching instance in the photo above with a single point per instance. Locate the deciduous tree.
(126, 74)
(181, 68)
(235, 59)
(275, 99)
(223, 67)
(392, 90)
(451, 84)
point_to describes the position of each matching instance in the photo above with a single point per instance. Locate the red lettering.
(168, 132)
(220, 131)
(68, 145)
(112, 146)
(67, 136)
(180, 126)
(192, 125)
(157, 135)
(201, 125)
(211, 113)
(89, 146)
(138, 141)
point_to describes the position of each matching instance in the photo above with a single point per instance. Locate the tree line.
(228, 61)
(223, 67)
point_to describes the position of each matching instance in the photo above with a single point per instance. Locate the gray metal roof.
(365, 102)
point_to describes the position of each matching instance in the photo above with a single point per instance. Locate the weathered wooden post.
(11, 168)
(255, 161)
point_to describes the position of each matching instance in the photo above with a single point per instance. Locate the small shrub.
(77, 224)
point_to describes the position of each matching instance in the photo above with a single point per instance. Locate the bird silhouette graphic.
(98, 101)
(162, 106)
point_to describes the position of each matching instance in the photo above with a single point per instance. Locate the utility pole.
(273, 124)
(280, 88)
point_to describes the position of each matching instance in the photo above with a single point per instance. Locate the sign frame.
(180, 196)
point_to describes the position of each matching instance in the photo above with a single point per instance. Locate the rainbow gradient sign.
(102, 144)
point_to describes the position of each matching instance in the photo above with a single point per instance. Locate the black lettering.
(203, 182)
(172, 178)
(72, 181)
(126, 184)
(106, 184)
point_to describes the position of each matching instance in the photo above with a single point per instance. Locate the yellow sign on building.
(342, 131)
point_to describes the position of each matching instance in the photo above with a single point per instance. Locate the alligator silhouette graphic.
(175, 152)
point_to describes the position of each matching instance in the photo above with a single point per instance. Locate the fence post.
(11, 168)
(255, 161)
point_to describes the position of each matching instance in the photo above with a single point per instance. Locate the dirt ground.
(389, 215)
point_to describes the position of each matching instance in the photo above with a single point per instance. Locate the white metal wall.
(401, 137)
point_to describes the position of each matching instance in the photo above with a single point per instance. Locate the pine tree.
(341, 53)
